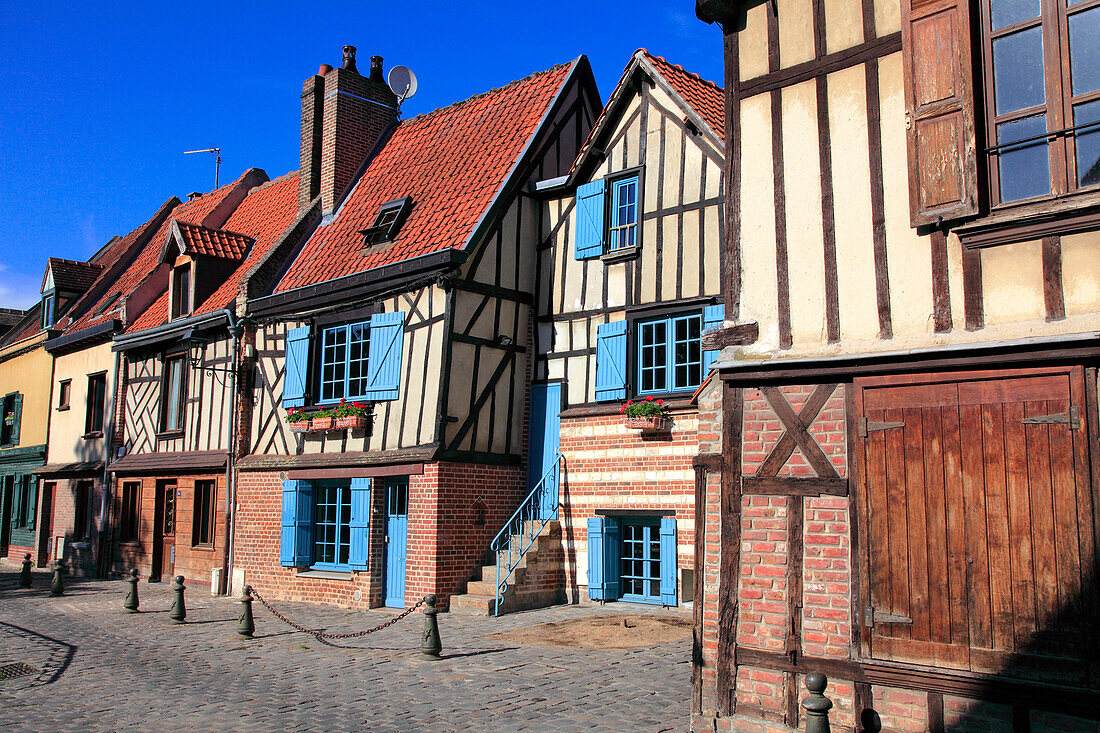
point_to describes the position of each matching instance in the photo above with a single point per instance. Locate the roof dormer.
(64, 282)
(200, 259)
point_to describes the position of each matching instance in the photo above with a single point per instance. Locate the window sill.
(170, 435)
(671, 404)
(1011, 224)
(203, 548)
(93, 435)
(63, 408)
(343, 575)
(620, 255)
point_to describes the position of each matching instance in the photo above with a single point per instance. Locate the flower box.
(298, 426)
(321, 423)
(350, 422)
(658, 422)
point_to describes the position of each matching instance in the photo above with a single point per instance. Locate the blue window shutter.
(595, 559)
(611, 361)
(611, 585)
(297, 362)
(17, 410)
(668, 561)
(588, 237)
(713, 315)
(387, 332)
(359, 553)
(296, 542)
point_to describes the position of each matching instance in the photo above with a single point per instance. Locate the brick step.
(480, 593)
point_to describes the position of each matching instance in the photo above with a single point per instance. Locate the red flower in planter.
(660, 402)
(649, 398)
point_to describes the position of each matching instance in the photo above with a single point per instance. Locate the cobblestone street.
(98, 668)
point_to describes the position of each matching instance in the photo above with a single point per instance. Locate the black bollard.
(25, 573)
(57, 587)
(131, 602)
(178, 612)
(430, 645)
(817, 706)
(246, 625)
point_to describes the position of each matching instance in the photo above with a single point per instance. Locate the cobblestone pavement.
(98, 668)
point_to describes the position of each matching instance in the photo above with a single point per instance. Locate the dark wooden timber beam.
(740, 334)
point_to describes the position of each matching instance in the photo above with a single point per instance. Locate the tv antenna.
(402, 82)
(218, 159)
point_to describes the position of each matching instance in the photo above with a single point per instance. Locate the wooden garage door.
(979, 522)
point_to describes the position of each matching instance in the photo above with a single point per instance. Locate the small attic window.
(390, 217)
(107, 303)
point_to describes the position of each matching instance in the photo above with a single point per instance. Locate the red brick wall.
(445, 545)
(609, 467)
(80, 558)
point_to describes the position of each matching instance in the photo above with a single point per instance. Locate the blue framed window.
(344, 353)
(624, 214)
(670, 354)
(640, 561)
(49, 304)
(331, 525)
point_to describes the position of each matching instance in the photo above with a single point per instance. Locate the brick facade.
(607, 468)
(455, 509)
(80, 551)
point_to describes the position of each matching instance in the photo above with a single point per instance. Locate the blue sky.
(101, 99)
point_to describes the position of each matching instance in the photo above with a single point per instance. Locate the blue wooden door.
(543, 444)
(397, 524)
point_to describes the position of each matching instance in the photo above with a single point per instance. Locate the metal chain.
(321, 635)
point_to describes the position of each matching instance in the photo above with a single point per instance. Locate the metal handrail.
(525, 516)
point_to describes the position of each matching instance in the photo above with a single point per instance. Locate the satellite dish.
(402, 82)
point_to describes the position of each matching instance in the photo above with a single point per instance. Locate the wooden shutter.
(17, 409)
(297, 363)
(612, 587)
(668, 561)
(359, 553)
(296, 542)
(713, 316)
(596, 554)
(387, 332)
(611, 361)
(588, 236)
(938, 64)
(29, 483)
(980, 524)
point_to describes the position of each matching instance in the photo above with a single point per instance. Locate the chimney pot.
(325, 68)
(376, 69)
(193, 195)
(349, 59)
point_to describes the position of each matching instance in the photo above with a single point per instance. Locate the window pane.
(1088, 144)
(358, 351)
(1006, 12)
(653, 340)
(687, 352)
(1024, 170)
(1018, 70)
(333, 362)
(1084, 50)
(172, 408)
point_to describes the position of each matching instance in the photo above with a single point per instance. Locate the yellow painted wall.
(67, 442)
(29, 374)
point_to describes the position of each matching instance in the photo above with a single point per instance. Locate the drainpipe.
(106, 543)
(235, 330)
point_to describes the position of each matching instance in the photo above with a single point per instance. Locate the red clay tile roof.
(220, 243)
(262, 217)
(705, 97)
(452, 162)
(146, 261)
(72, 275)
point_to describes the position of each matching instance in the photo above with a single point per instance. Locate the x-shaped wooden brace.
(797, 432)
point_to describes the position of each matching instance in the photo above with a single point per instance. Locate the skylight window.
(390, 217)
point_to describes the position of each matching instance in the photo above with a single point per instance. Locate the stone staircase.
(536, 582)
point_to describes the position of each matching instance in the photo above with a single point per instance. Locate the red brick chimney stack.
(343, 116)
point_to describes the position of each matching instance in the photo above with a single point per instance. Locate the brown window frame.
(1059, 100)
(82, 510)
(182, 303)
(167, 430)
(129, 512)
(64, 394)
(91, 430)
(204, 515)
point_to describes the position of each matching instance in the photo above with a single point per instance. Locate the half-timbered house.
(81, 409)
(407, 313)
(902, 486)
(627, 282)
(179, 385)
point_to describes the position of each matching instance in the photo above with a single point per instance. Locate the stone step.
(472, 605)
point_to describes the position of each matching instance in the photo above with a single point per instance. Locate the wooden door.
(397, 524)
(7, 499)
(545, 437)
(979, 522)
(45, 523)
(164, 531)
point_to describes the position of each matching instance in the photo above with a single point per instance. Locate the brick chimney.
(344, 114)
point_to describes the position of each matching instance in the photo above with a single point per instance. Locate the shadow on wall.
(569, 540)
(1064, 651)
